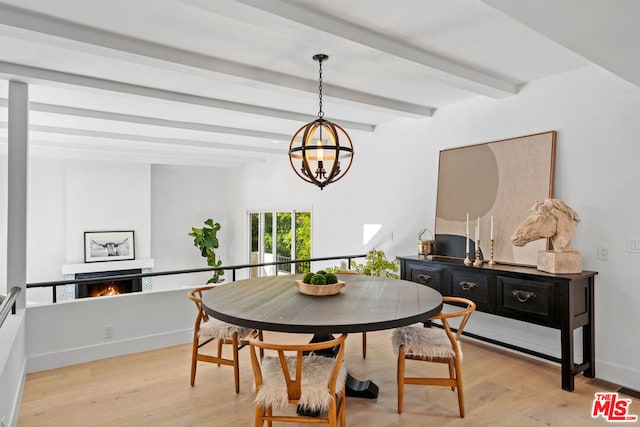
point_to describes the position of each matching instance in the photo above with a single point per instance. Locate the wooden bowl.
(320, 290)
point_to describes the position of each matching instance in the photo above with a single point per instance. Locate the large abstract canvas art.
(500, 179)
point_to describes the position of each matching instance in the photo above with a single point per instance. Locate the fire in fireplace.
(108, 286)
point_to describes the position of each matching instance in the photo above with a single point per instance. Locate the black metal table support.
(365, 389)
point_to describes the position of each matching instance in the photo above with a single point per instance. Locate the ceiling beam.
(441, 68)
(43, 24)
(34, 74)
(80, 151)
(182, 142)
(153, 121)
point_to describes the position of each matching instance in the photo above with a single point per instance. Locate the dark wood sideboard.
(559, 301)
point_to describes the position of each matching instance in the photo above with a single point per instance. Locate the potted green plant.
(206, 240)
(376, 264)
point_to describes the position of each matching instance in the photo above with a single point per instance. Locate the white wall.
(73, 332)
(105, 196)
(46, 225)
(182, 198)
(394, 178)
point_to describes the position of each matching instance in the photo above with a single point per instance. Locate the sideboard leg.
(588, 351)
(566, 339)
(589, 335)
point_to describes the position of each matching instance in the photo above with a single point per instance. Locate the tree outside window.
(292, 236)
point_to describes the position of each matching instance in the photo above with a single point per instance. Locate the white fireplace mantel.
(92, 267)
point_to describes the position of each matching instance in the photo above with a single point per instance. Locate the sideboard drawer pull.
(424, 278)
(523, 296)
(467, 286)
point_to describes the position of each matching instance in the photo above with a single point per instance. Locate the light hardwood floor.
(152, 389)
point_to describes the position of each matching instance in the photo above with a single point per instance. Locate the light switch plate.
(633, 244)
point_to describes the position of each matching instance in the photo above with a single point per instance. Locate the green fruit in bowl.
(331, 278)
(324, 273)
(318, 279)
(307, 278)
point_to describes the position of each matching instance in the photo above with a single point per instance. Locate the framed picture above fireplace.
(108, 246)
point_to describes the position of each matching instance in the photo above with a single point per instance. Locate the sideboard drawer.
(526, 299)
(425, 275)
(472, 286)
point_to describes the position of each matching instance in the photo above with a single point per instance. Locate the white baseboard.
(546, 342)
(41, 362)
(622, 375)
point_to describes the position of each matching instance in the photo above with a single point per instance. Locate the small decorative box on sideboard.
(559, 301)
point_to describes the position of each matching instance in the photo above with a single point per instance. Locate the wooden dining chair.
(313, 384)
(433, 344)
(208, 329)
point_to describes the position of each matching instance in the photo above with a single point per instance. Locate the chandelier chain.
(320, 113)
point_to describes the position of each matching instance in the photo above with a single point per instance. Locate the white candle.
(467, 235)
(467, 243)
(478, 231)
(467, 224)
(491, 227)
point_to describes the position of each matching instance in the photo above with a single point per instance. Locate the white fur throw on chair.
(420, 341)
(214, 328)
(316, 371)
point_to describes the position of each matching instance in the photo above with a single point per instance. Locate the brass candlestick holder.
(467, 260)
(491, 261)
(477, 262)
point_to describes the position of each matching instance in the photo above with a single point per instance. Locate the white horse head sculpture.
(551, 218)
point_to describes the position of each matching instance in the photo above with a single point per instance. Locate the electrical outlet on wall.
(633, 244)
(108, 331)
(603, 253)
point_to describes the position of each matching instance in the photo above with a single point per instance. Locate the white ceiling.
(228, 82)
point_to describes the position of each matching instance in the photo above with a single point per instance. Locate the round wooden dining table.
(366, 303)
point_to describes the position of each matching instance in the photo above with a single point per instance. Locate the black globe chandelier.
(317, 148)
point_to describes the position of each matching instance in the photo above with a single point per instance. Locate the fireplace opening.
(108, 286)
